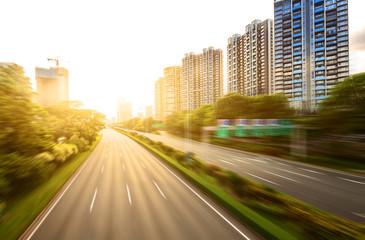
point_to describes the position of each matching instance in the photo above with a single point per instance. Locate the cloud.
(357, 40)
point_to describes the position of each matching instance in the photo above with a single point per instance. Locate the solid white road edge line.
(92, 202)
(360, 214)
(159, 190)
(102, 169)
(129, 195)
(350, 180)
(201, 198)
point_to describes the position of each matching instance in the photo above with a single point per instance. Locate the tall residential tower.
(201, 78)
(250, 59)
(311, 49)
(167, 93)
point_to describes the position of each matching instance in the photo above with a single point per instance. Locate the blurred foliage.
(231, 106)
(23, 124)
(31, 137)
(236, 106)
(343, 112)
(67, 120)
(138, 124)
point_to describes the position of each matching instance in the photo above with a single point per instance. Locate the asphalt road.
(123, 192)
(338, 193)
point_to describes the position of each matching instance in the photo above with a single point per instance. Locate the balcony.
(297, 71)
(297, 53)
(319, 68)
(320, 9)
(319, 59)
(319, 39)
(297, 81)
(320, 78)
(319, 49)
(320, 88)
(319, 20)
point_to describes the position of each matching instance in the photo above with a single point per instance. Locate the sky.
(119, 48)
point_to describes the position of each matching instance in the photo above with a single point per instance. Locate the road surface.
(338, 193)
(123, 192)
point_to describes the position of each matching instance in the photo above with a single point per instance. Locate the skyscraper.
(250, 59)
(52, 85)
(311, 49)
(167, 93)
(201, 78)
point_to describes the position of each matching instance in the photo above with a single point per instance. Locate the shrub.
(44, 157)
(210, 168)
(180, 157)
(237, 183)
(81, 143)
(18, 171)
(63, 151)
(4, 189)
(222, 177)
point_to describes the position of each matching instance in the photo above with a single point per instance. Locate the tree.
(201, 117)
(23, 124)
(233, 106)
(175, 122)
(343, 112)
(68, 120)
(275, 106)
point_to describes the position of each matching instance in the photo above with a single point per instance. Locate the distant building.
(52, 85)
(201, 78)
(124, 110)
(167, 94)
(149, 111)
(250, 59)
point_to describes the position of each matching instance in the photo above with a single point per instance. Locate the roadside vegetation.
(36, 142)
(332, 136)
(269, 212)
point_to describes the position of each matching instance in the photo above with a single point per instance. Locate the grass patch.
(21, 211)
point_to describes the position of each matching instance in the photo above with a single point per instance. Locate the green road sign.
(222, 132)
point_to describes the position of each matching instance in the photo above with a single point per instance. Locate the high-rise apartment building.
(124, 110)
(201, 78)
(52, 85)
(250, 59)
(167, 93)
(311, 48)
